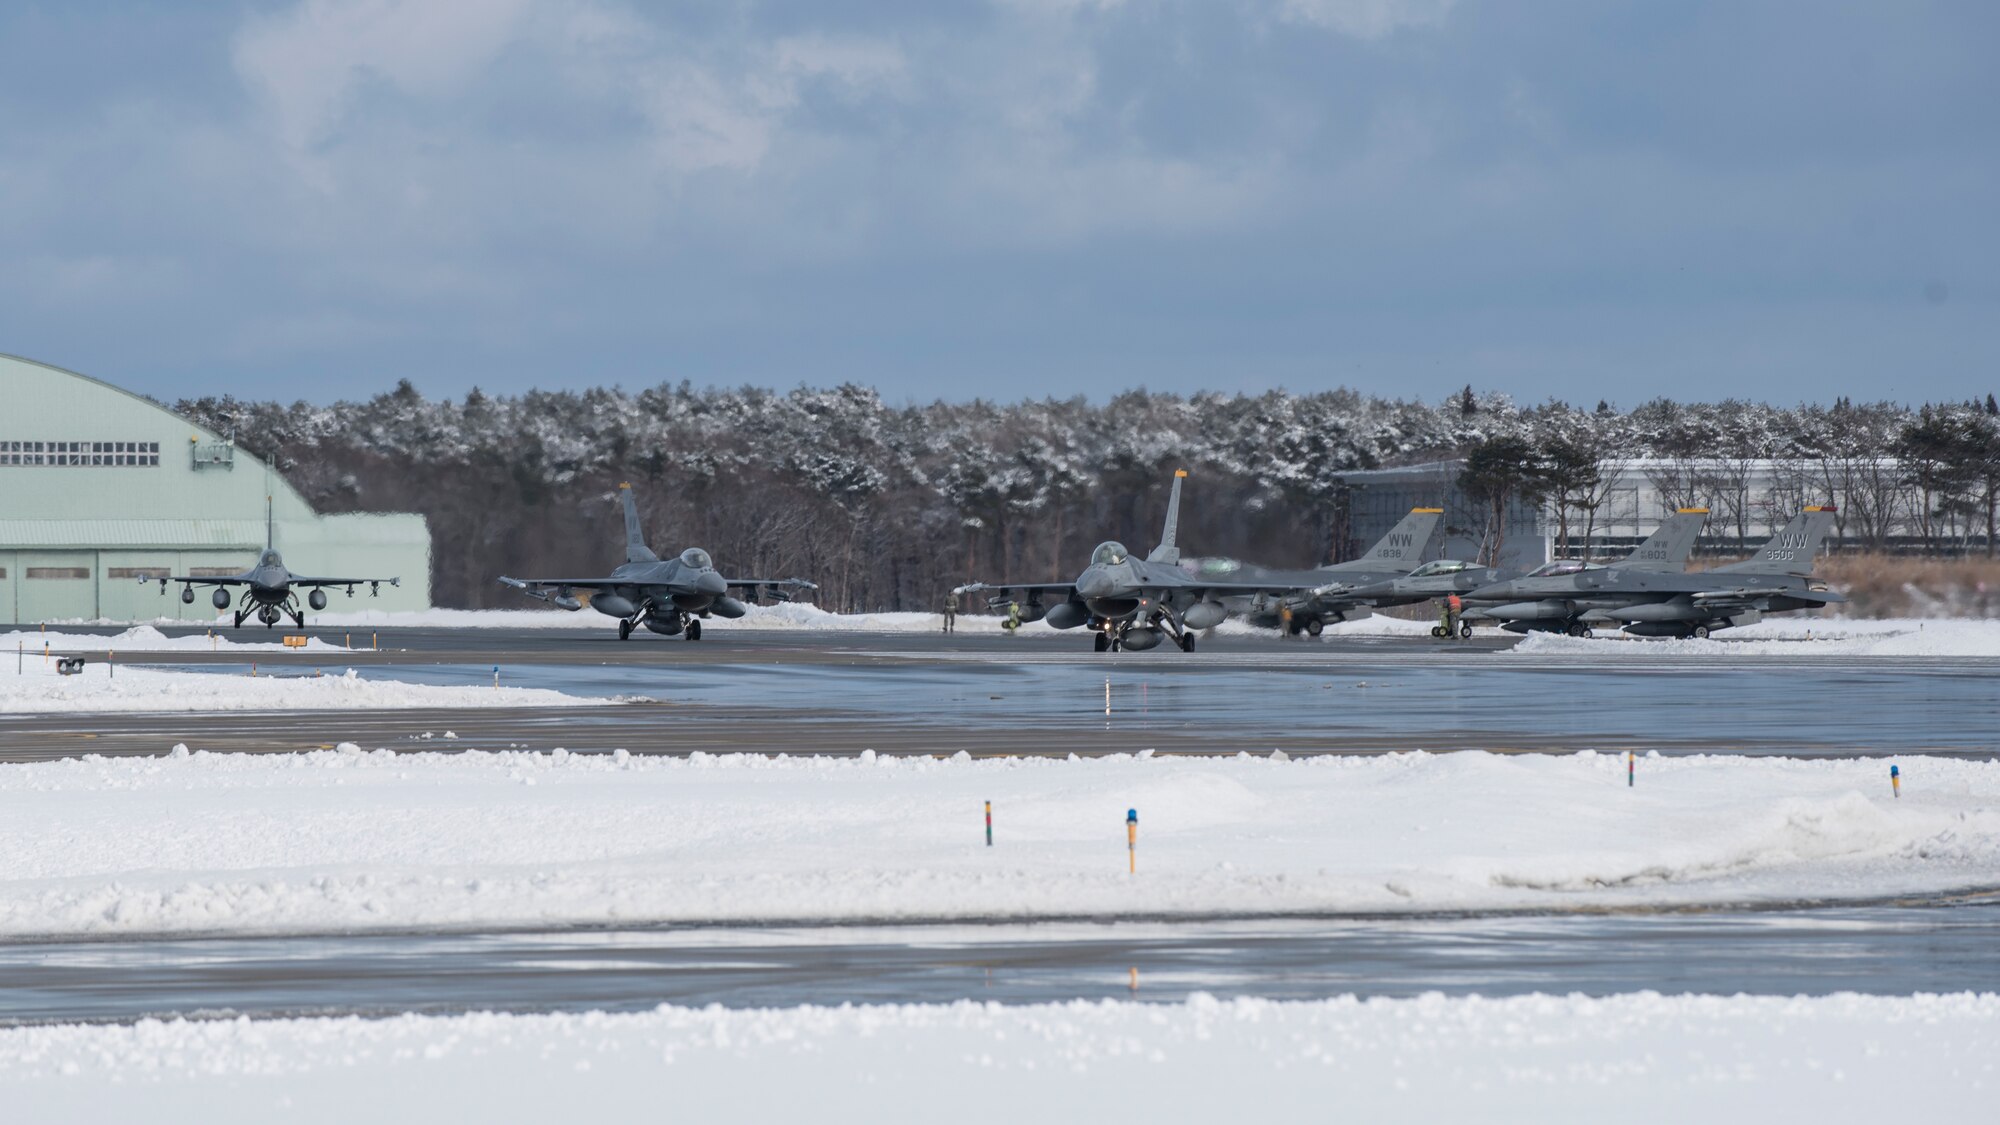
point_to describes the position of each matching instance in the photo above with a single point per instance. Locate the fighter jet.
(669, 597)
(1131, 603)
(268, 586)
(1353, 590)
(1662, 604)
(1515, 607)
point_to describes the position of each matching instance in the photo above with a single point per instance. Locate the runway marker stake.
(1132, 841)
(989, 824)
(111, 662)
(1135, 978)
(1896, 780)
(496, 677)
(1631, 768)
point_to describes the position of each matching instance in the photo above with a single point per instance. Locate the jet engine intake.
(664, 626)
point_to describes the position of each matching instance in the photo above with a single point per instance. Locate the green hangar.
(100, 488)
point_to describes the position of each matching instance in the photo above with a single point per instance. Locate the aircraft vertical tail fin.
(1404, 546)
(635, 538)
(1169, 551)
(1668, 547)
(1791, 550)
(270, 525)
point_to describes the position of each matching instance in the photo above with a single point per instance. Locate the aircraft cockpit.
(1561, 567)
(697, 559)
(1109, 553)
(1439, 566)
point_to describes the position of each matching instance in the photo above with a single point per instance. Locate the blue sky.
(1584, 200)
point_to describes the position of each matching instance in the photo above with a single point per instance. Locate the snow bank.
(102, 687)
(344, 841)
(1799, 636)
(145, 638)
(1634, 1058)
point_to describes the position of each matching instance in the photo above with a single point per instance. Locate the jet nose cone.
(711, 583)
(1094, 583)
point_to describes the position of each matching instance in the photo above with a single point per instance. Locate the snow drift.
(357, 840)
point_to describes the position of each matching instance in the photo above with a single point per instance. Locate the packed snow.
(1641, 1057)
(347, 840)
(1792, 636)
(103, 685)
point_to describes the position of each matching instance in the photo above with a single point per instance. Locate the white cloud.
(307, 61)
(1366, 19)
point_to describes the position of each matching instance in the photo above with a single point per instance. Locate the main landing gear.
(690, 627)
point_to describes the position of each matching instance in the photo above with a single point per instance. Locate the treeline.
(888, 506)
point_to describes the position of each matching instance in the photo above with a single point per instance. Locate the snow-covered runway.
(376, 841)
(1641, 1057)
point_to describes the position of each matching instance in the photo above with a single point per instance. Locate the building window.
(213, 572)
(123, 454)
(131, 572)
(58, 572)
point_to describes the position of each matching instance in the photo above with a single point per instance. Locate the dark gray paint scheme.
(1132, 603)
(1652, 603)
(667, 596)
(1388, 575)
(268, 588)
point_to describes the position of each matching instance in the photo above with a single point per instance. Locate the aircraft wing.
(298, 580)
(1024, 587)
(781, 588)
(1751, 597)
(192, 580)
(556, 591)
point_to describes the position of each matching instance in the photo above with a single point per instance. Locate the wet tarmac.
(1884, 950)
(842, 693)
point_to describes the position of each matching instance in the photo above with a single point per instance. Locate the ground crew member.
(950, 612)
(1285, 622)
(1453, 606)
(1013, 616)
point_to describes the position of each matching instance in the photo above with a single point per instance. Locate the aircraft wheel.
(1187, 642)
(1103, 642)
(1465, 630)
(1579, 629)
(624, 630)
(694, 630)
(1437, 630)
(1314, 626)
(1701, 632)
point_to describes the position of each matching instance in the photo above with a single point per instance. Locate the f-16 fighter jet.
(667, 596)
(1657, 604)
(1133, 603)
(1516, 606)
(1353, 590)
(269, 590)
